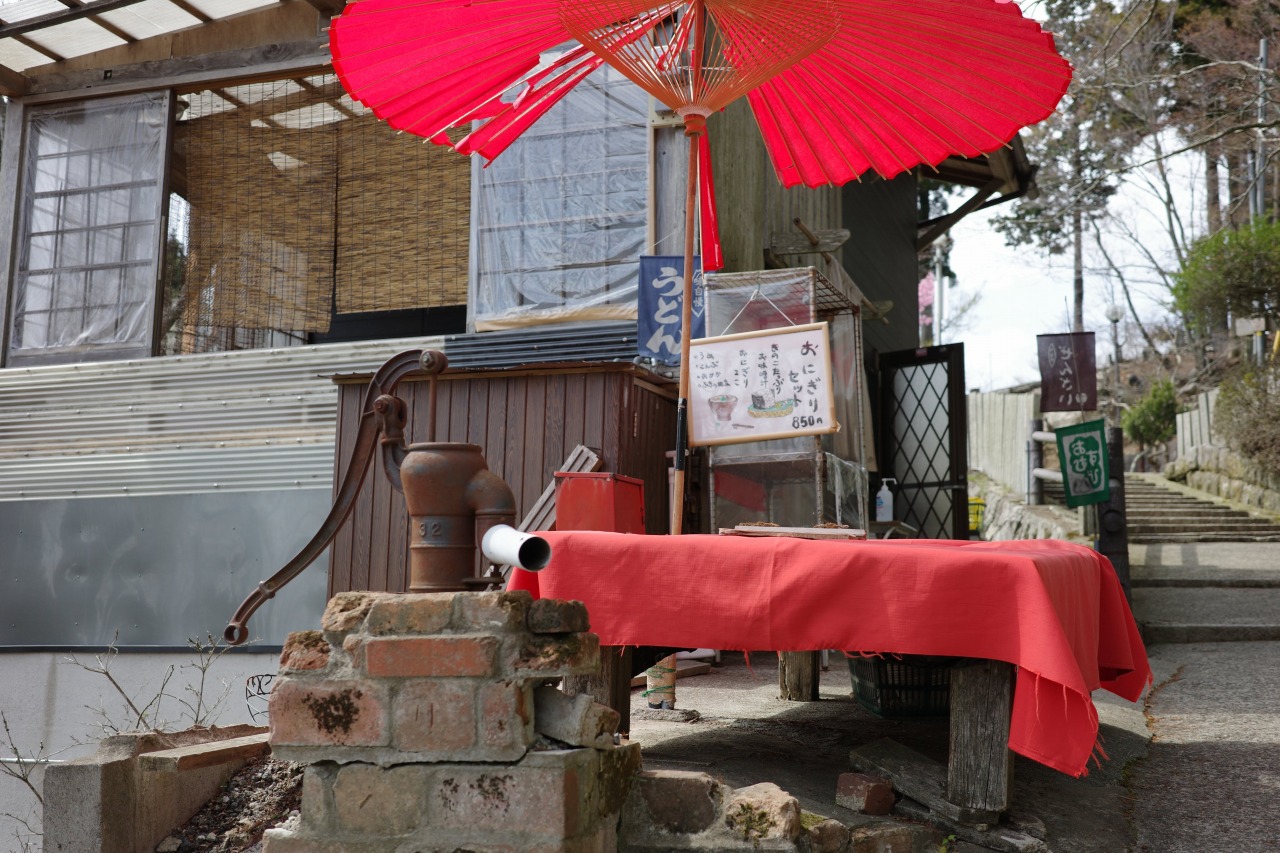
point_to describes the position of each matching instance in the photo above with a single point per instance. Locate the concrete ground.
(1195, 767)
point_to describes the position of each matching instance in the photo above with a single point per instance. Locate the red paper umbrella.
(838, 87)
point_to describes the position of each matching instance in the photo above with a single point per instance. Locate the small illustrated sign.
(1068, 372)
(1082, 453)
(658, 311)
(774, 383)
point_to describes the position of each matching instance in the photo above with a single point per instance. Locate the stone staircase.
(1163, 514)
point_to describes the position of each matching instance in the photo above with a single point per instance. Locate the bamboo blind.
(303, 204)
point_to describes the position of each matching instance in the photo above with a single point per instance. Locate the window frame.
(18, 171)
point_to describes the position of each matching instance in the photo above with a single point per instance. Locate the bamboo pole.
(693, 129)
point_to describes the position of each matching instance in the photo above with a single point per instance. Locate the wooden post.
(798, 674)
(611, 685)
(980, 766)
(694, 127)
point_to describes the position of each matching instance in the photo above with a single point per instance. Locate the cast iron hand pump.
(452, 497)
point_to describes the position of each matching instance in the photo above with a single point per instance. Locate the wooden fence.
(1195, 428)
(999, 428)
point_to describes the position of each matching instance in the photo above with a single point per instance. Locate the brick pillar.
(416, 714)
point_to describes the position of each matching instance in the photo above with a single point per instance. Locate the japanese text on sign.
(660, 300)
(753, 386)
(1082, 453)
(1068, 376)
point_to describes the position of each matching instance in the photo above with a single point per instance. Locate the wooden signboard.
(774, 383)
(1082, 453)
(1068, 375)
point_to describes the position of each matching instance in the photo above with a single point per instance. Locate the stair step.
(1185, 537)
(1173, 614)
(1237, 524)
(1184, 510)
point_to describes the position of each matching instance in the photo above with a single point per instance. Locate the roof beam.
(12, 84)
(39, 48)
(328, 8)
(52, 19)
(943, 225)
(106, 25)
(264, 62)
(192, 11)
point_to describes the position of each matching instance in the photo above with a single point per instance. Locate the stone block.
(328, 713)
(431, 657)
(673, 801)
(346, 611)
(616, 775)
(492, 612)
(830, 836)
(889, 839)
(543, 797)
(437, 717)
(552, 616)
(304, 651)
(762, 811)
(573, 720)
(287, 841)
(506, 719)
(862, 793)
(428, 613)
(316, 808)
(373, 802)
(551, 655)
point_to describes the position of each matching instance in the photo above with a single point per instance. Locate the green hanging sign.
(1082, 455)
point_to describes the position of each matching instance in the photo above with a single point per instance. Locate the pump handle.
(383, 384)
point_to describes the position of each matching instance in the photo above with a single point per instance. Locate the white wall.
(48, 700)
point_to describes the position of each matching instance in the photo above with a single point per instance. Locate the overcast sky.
(1024, 293)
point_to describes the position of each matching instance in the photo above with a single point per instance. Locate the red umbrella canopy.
(838, 87)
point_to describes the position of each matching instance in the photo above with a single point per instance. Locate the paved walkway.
(1211, 778)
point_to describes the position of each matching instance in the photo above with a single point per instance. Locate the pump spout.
(506, 546)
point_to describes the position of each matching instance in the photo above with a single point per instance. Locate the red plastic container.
(599, 501)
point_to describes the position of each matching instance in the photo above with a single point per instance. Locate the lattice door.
(924, 435)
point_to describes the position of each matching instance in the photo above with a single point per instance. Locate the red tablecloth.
(1054, 609)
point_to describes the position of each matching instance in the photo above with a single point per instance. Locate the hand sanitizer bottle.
(884, 500)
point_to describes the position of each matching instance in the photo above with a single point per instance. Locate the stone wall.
(1007, 516)
(1222, 472)
(431, 724)
(416, 716)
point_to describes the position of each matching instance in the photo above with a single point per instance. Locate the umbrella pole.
(693, 129)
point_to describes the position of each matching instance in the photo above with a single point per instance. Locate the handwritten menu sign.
(753, 386)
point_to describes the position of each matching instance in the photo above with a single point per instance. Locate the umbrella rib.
(932, 94)
(864, 84)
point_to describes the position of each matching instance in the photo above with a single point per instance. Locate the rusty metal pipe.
(383, 382)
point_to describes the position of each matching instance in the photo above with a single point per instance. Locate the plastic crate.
(911, 686)
(977, 509)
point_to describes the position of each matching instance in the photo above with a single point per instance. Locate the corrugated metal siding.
(249, 420)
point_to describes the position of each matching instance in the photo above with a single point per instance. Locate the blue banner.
(660, 298)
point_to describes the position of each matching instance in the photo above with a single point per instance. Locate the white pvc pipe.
(504, 545)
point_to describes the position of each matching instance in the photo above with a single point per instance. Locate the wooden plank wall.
(527, 422)
(752, 204)
(881, 257)
(999, 429)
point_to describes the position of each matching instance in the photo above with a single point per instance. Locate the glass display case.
(806, 480)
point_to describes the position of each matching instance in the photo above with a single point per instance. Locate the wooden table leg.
(798, 674)
(980, 766)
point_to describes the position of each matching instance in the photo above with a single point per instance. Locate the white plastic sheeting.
(560, 218)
